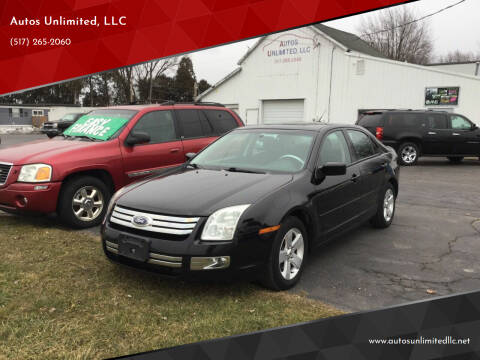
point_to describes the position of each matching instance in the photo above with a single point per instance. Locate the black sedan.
(256, 201)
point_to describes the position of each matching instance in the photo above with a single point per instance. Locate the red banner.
(43, 42)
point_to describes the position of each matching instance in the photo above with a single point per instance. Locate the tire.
(455, 159)
(275, 277)
(50, 136)
(384, 216)
(408, 154)
(78, 194)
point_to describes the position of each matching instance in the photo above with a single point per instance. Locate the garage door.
(282, 111)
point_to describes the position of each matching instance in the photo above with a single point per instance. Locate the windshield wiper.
(235, 169)
(79, 137)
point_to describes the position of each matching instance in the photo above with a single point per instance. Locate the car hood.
(40, 151)
(201, 192)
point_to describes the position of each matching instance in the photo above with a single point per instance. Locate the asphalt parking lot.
(431, 249)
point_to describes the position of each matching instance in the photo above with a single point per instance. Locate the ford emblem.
(140, 220)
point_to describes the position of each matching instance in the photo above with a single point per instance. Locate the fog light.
(41, 187)
(209, 263)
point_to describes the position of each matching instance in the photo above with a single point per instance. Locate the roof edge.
(218, 83)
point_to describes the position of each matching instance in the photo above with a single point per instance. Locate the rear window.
(221, 120)
(437, 121)
(405, 120)
(190, 124)
(371, 120)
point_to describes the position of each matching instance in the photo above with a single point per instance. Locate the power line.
(415, 20)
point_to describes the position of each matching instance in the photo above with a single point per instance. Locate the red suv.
(75, 174)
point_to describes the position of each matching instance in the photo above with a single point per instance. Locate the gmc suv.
(414, 133)
(75, 174)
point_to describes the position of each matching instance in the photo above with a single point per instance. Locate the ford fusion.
(256, 202)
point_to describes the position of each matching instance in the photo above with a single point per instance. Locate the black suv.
(414, 133)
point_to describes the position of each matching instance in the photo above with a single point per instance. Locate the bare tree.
(459, 56)
(123, 80)
(397, 35)
(146, 73)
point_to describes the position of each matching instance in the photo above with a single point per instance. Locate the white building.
(467, 67)
(320, 73)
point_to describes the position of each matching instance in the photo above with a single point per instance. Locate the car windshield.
(258, 151)
(68, 117)
(100, 125)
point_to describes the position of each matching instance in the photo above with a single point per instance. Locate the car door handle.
(455, 134)
(174, 150)
(432, 133)
(354, 177)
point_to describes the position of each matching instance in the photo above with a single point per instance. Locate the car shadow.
(444, 162)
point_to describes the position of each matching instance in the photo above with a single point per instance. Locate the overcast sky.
(455, 28)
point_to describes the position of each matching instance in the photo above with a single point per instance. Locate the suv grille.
(163, 224)
(4, 171)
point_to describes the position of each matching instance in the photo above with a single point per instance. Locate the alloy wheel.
(409, 154)
(291, 254)
(388, 205)
(87, 203)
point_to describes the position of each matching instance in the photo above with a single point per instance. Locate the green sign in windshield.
(96, 126)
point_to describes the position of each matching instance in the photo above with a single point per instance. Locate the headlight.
(54, 125)
(222, 223)
(35, 173)
(114, 199)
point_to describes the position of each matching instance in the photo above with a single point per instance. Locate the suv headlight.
(35, 173)
(55, 125)
(221, 225)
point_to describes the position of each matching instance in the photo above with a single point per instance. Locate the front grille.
(4, 171)
(162, 224)
(154, 258)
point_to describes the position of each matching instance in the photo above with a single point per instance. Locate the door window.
(361, 143)
(404, 120)
(334, 149)
(159, 125)
(221, 120)
(190, 123)
(437, 121)
(460, 123)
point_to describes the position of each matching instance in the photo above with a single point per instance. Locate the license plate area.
(134, 248)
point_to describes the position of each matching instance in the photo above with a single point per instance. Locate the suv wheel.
(455, 159)
(83, 202)
(408, 153)
(386, 208)
(287, 257)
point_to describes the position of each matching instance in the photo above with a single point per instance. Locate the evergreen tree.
(185, 80)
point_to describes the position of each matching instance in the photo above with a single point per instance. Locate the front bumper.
(189, 258)
(23, 197)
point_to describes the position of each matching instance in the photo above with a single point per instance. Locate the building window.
(37, 112)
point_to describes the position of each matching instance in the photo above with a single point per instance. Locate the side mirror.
(190, 155)
(137, 137)
(334, 169)
(329, 169)
(474, 127)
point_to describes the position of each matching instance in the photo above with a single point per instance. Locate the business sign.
(288, 48)
(441, 95)
(95, 126)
